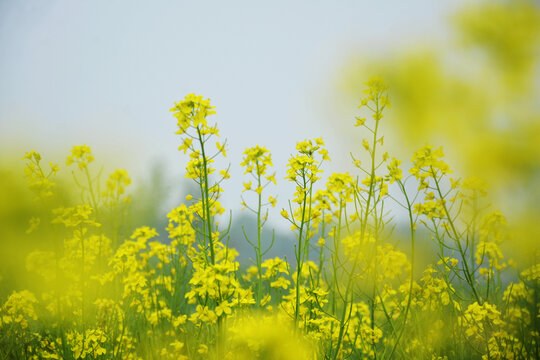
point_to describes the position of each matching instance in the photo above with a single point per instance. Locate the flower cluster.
(80, 155)
(192, 113)
(38, 182)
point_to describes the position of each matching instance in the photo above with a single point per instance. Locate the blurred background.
(462, 74)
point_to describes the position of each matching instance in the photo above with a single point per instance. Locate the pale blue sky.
(105, 73)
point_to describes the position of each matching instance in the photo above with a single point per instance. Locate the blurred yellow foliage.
(479, 99)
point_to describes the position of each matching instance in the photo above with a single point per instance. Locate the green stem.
(299, 250)
(206, 199)
(467, 272)
(259, 228)
(411, 225)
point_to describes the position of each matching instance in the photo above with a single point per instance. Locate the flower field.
(98, 286)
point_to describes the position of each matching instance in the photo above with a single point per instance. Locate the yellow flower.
(192, 111)
(81, 155)
(281, 282)
(223, 308)
(272, 178)
(180, 320)
(225, 174)
(221, 148)
(203, 349)
(360, 121)
(256, 160)
(365, 144)
(185, 145)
